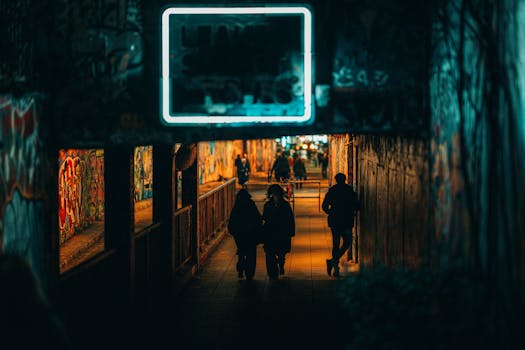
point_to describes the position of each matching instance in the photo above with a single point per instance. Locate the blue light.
(255, 113)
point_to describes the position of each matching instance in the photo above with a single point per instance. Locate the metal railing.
(294, 196)
(181, 242)
(214, 210)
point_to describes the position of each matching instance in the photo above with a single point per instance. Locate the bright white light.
(206, 119)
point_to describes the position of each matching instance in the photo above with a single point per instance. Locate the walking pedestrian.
(278, 230)
(299, 172)
(340, 203)
(281, 169)
(245, 227)
(324, 165)
(243, 172)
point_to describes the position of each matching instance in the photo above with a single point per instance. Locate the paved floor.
(300, 311)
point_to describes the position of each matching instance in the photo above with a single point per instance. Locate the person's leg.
(240, 258)
(336, 240)
(271, 265)
(240, 265)
(251, 258)
(281, 257)
(347, 240)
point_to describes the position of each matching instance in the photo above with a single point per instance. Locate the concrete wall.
(393, 188)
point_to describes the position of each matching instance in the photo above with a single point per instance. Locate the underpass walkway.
(299, 311)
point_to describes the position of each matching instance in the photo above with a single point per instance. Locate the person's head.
(275, 192)
(238, 156)
(245, 155)
(340, 178)
(243, 195)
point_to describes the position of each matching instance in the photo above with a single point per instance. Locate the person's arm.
(291, 220)
(326, 203)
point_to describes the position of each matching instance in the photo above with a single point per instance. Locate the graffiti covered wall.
(216, 161)
(217, 158)
(261, 154)
(80, 190)
(393, 189)
(23, 213)
(143, 172)
(478, 146)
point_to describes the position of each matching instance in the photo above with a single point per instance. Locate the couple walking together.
(277, 225)
(275, 229)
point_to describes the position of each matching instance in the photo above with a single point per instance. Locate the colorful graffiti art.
(143, 172)
(215, 161)
(80, 189)
(22, 183)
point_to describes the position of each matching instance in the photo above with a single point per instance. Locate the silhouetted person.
(243, 172)
(238, 161)
(299, 172)
(245, 227)
(245, 155)
(281, 168)
(319, 158)
(278, 230)
(324, 165)
(26, 320)
(340, 203)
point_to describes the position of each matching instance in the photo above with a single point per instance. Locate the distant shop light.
(174, 119)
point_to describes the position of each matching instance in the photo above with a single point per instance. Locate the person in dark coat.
(340, 203)
(324, 165)
(243, 172)
(299, 172)
(281, 168)
(245, 226)
(278, 230)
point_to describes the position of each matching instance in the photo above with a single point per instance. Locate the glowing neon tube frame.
(206, 119)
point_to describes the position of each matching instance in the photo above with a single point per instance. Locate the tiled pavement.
(300, 311)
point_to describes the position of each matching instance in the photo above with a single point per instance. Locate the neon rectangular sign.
(236, 65)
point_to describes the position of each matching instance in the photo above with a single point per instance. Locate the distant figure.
(278, 230)
(238, 161)
(319, 158)
(299, 172)
(245, 156)
(245, 226)
(26, 319)
(324, 165)
(281, 169)
(340, 203)
(243, 172)
(314, 158)
(291, 161)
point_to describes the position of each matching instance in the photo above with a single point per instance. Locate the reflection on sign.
(236, 65)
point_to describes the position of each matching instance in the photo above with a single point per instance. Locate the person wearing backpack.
(340, 203)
